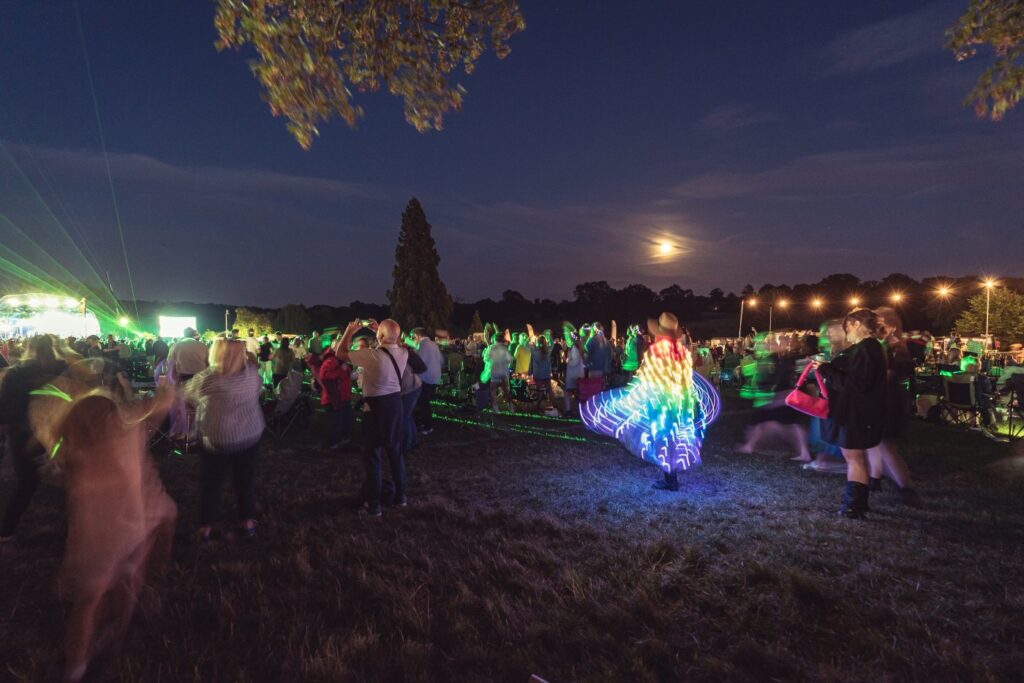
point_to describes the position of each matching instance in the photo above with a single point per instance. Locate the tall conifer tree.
(418, 296)
(477, 325)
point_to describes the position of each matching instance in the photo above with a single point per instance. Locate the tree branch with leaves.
(999, 25)
(312, 54)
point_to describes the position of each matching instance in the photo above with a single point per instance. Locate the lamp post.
(988, 284)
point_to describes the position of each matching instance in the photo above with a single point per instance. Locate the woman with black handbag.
(856, 382)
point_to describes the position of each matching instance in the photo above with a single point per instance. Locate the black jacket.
(856, 383)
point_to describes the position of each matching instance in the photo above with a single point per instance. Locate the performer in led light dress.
(661, 415)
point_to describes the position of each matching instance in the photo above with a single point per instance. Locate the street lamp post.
(988, 284)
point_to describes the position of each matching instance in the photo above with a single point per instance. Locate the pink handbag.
(805, 403)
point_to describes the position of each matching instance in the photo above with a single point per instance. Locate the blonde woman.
(227, 398)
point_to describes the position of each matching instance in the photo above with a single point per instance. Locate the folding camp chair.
(959, 403)
(1014, 407)
(292, 408)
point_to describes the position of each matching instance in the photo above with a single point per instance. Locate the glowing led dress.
(662, 414)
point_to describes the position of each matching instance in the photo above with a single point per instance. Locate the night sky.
(770, 142)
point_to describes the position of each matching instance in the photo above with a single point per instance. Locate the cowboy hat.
(666, 325)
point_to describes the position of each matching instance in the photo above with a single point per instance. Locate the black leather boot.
(875, 485)
(855, 500)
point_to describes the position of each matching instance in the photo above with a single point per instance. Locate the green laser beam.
(106, 159)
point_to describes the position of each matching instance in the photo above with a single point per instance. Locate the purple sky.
(769, 144)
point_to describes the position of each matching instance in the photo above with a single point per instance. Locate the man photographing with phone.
(382, 420)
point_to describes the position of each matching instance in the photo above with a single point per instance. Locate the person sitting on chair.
(984, 394)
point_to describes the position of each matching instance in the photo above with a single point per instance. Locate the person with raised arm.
(382, 370)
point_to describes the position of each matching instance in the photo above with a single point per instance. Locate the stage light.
(752, 302)
(14, 302)
(817, 303)
(123, 321)
(52, 302)
(35, 302)
(896, 297)
(70, 303)
(783, 303)
(855, 301)
(944, 291)
(989, 283)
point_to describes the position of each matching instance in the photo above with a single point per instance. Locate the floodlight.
(174, 326)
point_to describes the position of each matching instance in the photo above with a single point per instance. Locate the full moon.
(665, 248)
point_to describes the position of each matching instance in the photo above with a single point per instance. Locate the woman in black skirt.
(856, 382)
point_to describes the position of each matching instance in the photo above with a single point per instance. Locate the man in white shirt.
(252, 344)
(382, 370)
(432, 357)
(187, 357)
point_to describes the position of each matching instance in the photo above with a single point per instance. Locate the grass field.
(521, 554)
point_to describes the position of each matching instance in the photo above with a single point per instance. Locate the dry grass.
(524, 555)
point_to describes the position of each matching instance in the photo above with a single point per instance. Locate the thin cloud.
(730, 118)
(889, 42)
(906, 171)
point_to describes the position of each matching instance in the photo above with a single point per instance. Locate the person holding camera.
(383, 425)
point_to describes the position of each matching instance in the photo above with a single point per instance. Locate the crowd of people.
(72, 407)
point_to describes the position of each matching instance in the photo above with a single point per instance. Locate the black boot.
(669, 483)
(855, 500)
(875, 485)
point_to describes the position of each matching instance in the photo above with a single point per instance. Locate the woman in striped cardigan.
(227, 398)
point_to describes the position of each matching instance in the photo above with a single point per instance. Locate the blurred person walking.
(120, 520)
(38, 367)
